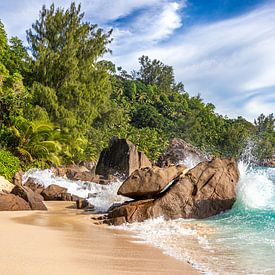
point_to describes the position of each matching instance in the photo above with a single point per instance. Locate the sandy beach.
(64, 240)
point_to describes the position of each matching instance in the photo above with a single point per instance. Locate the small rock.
(83, 203)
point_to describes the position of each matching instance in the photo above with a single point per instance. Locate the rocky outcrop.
(206, 190)
(10, 202)
(5, 185)
(180, 151)
(121, 157)
(146, 183)
(34, 200)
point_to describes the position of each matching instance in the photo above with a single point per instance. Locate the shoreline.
(64, 240)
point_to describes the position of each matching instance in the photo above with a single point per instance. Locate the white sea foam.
(102, 196)
(177, 238)
(255, 188)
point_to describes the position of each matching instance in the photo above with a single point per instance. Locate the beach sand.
(64, 240)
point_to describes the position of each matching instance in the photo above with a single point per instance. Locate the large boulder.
(146, 183)
(56, 193)
(121, 157)
(34, 199)
(180, 151)
(206, 190)
(5, 185)
(10, 202)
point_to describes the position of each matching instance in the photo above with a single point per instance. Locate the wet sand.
(65, 241)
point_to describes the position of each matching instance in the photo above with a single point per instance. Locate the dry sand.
(65, 241)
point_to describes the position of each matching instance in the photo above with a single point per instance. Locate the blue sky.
(222, 49)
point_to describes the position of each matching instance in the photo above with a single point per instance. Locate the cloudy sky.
(222, 49)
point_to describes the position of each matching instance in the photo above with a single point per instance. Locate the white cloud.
(19, 15)
(103, 11)
(227, 62)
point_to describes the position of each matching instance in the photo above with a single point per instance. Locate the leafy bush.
(9, 164)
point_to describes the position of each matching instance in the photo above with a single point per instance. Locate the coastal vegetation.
(61, 102)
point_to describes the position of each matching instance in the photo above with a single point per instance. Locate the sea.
(238, 241)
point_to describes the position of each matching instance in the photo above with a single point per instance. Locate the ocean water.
(239, 241)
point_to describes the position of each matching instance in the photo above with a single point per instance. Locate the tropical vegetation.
(60, 101)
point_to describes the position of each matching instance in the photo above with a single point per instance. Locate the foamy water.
(239, 241)
(101, 196)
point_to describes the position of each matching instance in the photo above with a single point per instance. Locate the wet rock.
(180, 151)
(146, 183)
(204, 191)
(11, 202)
(35, 200)
(83, 203)
(121, 157)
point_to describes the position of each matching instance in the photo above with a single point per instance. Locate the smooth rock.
(54, 193)
(146, 183)
(35, 200)
(5, 185)
(10, 202)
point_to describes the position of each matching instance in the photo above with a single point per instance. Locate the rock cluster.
(206, 190)
(31, 196)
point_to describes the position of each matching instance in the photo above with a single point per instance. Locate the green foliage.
(72, 84)
(64, 103)
(34, 141)
(9, 164)
(265, 136)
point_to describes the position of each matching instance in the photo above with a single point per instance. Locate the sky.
(223, 50)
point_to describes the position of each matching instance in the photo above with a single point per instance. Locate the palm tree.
(37, 140)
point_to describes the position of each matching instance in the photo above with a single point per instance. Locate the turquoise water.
(246, 234)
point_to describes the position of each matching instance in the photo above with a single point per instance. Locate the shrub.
(9, 164)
